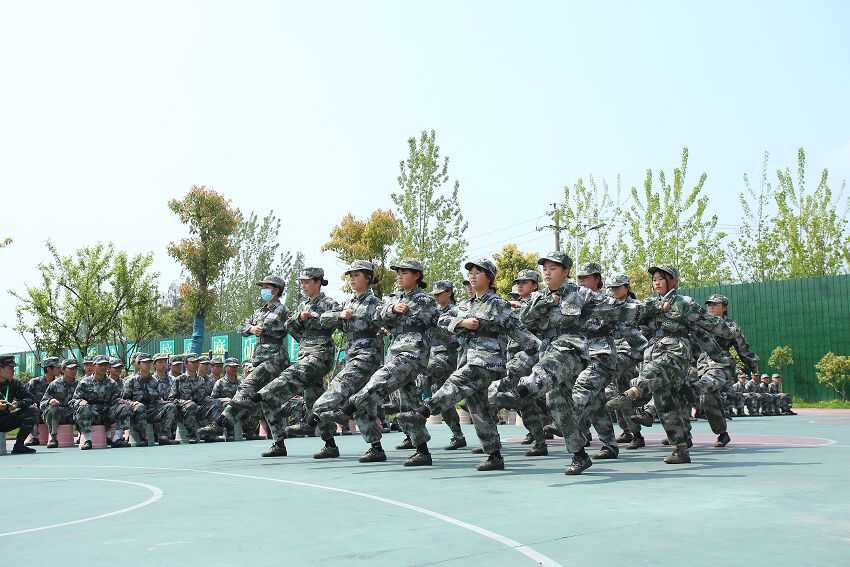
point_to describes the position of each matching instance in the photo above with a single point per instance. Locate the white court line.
(156, 494)
(540, 559)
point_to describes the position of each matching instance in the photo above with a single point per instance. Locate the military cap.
(669, 270)
(191, 357)
(483, 264)
(101, 359)
(203, 359)
(776, 376)
(558, 257)
(7, 360)
(69, 363)
(589, 269)
(275, 281)
(515, 291)
(160, 356)
(217, 361)
(116, 362)
(360, 266)
(527, 276)
(134, 357)
(441, 286)
(50, 362)
(765, 377)
(231, 361)
(620, 279)
(178, 359)
(408, 264)
(313, 274)
(143, 357)
(88, 360)
(717, 298)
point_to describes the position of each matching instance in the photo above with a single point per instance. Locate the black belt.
(677, 334)
(269, 341)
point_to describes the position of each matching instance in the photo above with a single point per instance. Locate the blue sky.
(110, 109)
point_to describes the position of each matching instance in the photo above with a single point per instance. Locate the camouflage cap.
(527, 276)
(160, 356)
(776, 376)
(100, 359)
(558, 257)
(275, 281)
(88, 360)
(69, 363)
(620, 279)
(231, 361)
(313, 274)
(217, 361)
(408, 264)
(589, 269)
(191, 357)
(115, 362)
(144, 357)
(7, 360)
(765, 376)
(441, 286)
(50, 362)
(669, 270)
(483, 264)
(178, 359)
(360, 266)
(203, 359)
(717, 298)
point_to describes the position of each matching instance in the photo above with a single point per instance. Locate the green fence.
(811, 315)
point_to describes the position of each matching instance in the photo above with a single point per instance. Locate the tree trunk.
(198, 333)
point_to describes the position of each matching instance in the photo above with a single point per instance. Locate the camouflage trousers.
(356, 371)
(662, 374)
(194, 415)
(244, 403)
(305, 377)
(555, 375)
(399, 372)
(159, 414)
(440, 366)
(54, 416)
(626, 371)
(589, 398)
(530, 410)
(468, 383)
(707, 386)
(101, 414)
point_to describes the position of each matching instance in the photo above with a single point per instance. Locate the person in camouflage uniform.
(37, 387)
(752, 396)
(56, 407)
(739, 390)
(205, 372)
(559, 311)
(194, 406)
(711, 373)
(116, 369)
(16, 407)
(629, 344)
(148, 395)
(270, 358)
(97, 400)
(502, 393)
(363, 349)
(316, 351)
(483, 325)
(669, 318)
(224, 390)
(408, 316)
(178, 362)
(769, 402)
(784, 400)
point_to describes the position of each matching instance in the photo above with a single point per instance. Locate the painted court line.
(156, 494)
(530, 553)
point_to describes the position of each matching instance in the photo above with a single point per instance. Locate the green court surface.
(778, 495)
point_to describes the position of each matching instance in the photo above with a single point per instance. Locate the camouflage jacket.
(96, 392)
(186, 387)
(774, 388)
(628, 338)
(15, 392)
(166, 379)
(411, 331)
(61, 391)
(739, 388)
(753, 386)
(563, 323)
(310, 334)
(684, 315)
(148, 391)
(271, 344)
(709, 353)
(360, 331)
(740, 344)
(38, 386)
(224, 388)
(443, 340)
(210, 381)
(487, 346)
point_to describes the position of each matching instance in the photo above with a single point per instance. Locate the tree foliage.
(371, 239)
(834, 371)
(781, 358)
(509, 261)
(666, 223)
(293, 290)
(431, 225)
(590, 215)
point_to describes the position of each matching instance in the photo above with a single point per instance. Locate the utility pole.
(556, 227)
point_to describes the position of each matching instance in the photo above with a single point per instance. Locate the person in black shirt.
(16, 406)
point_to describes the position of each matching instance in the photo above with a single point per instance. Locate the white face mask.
(266, 294)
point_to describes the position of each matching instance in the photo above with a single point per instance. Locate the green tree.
(371, 239)
(668, 224)
(781, 358)
(143, 317)
(834, 371)
(84, 297)
(293, 289)
(509, 261)
(256, 242)
(431, 225)
(212, 222)
(811, 232)
(590, 214)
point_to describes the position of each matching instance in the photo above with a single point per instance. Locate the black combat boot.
(722, 440)
(406, 444)
(537, 451)
(421, 458)
(278, 449)
(625, 437)
(375, 454)
(329, 451)
(679, 456)
(477, 451)
(607, 452)
(637, 442)
(581, 462)
(456, 443)
(53, 443)
(85, 446)
(494, 462)
(529, 439)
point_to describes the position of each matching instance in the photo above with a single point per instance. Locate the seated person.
(56, 407)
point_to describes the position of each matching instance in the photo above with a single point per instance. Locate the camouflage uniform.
(407, 356)
(714, 370)
(37, 387)
(103, 403)
(363, 349)
(269, 360)
(738, 390)
(225, 389)
(62, 392)
(316, 352)
(194, 407)
(783, 400)
(20, 413)
(149, 395)
(752, 395)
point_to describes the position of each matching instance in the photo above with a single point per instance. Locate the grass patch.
(827, 404)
